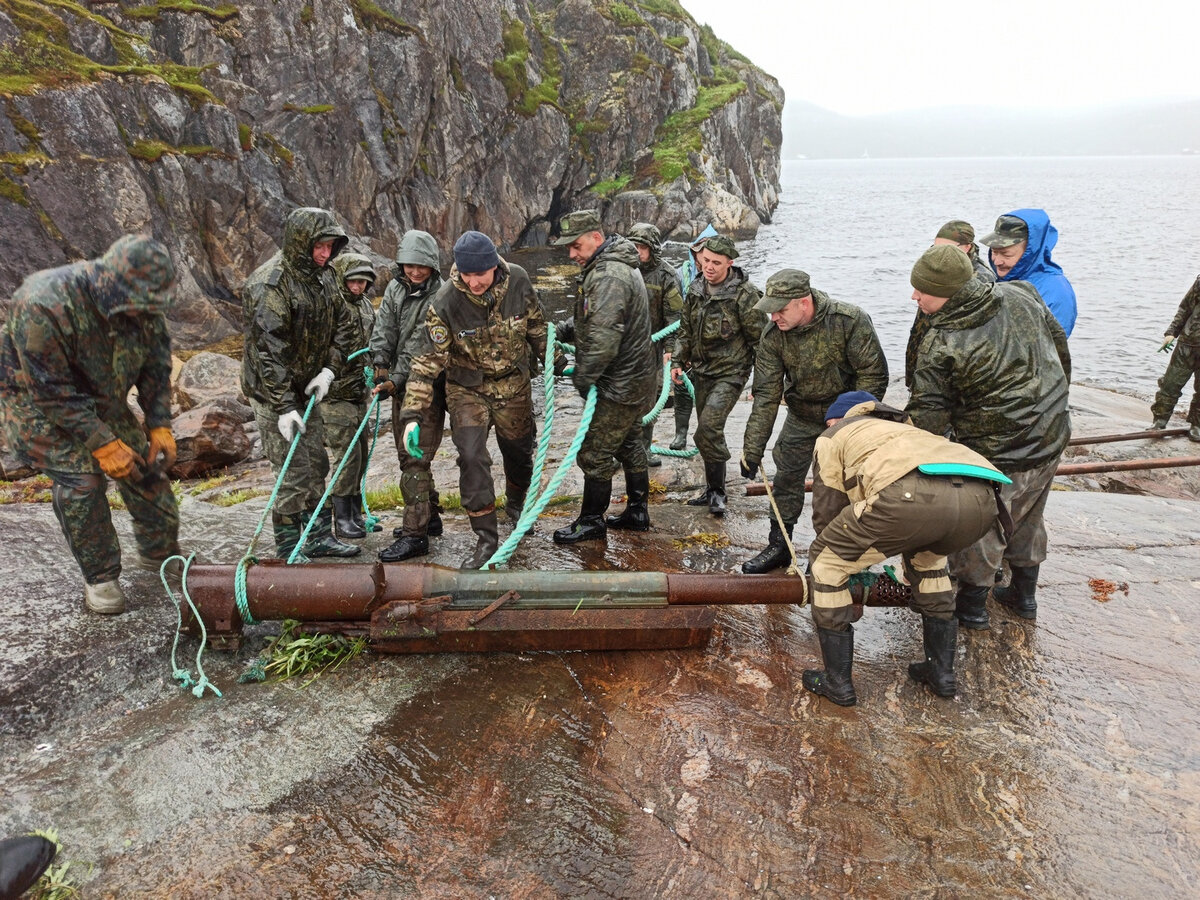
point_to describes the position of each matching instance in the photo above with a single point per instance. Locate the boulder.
(208, 438)
(207, 377)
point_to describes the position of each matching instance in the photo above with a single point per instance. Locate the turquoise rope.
(183, 676)
(540, 498)
(297, 555)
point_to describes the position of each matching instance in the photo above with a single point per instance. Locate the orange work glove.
(162, 441)
(117, 459)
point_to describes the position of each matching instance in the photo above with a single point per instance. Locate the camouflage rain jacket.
(351, 382)
(993, 373)
(1186, 324)
(489, 343)
(295, 325)
(611, 327)
(718, 333)
(808, 367)
(75, 340)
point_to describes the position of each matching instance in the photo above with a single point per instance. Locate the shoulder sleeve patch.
(440, 336)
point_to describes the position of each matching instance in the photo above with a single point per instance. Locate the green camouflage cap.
(350, 266)
(572, 225)
(958, 231)
(1009, 232)
(645, 233)
(720, 244)
(782, 288)
(142, 271)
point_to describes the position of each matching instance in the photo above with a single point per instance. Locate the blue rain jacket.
(1036, 267)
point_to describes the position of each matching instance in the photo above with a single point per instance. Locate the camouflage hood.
(303, 228)
(971, 306)
(347, 266)
(645, 233)
(615, 248)
(134, 275)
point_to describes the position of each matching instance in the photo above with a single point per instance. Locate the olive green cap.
(719, 244)
(572, 225)
(782, 288)
(958, 231)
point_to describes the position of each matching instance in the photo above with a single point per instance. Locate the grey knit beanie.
(474, 252)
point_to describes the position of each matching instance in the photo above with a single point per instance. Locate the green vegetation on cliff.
(512, 68)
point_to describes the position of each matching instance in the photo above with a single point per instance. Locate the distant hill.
(1151, 128)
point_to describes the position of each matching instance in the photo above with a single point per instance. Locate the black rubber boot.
(514, 506)
(683, 416)
(356, 512)
(433, 528)
(487, 539)
(837, 650)
(700, 499)
(405, 547)
(714, 473)
(970, 607)
(322, 543)
(287, 533)
(652, 459)
(635, 517)
(1019, 596)
(343, 519)
(22, 861)
(937, 671)
(590, 524)
(775, 556)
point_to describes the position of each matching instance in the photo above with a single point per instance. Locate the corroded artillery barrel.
(427, 608)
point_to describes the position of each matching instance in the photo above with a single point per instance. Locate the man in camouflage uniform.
(298, 334)
(960, 234)
(666, 302)
(346, 405)
(718, 331)
(1184, 364)
(882, 487)
(76, 340)
(814, 349)
(993, 373)
(399, 337)
(611, 332)
(486, 332)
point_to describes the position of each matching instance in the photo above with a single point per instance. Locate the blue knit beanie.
(842, 404)
(474, 253)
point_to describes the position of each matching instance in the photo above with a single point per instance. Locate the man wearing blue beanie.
(881, 488)
(486, 331)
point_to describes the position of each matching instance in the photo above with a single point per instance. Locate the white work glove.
(319, 386)
(1168, 340)
(290, 423)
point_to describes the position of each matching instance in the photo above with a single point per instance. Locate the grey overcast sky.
(871, 56)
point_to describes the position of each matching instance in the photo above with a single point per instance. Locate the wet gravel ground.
(1066, 766)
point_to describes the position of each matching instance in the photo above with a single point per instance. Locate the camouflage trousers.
(614, 441)
(1026, 501)
(472, 414)
(793, 453)
(921, 517)
(715, 399)
(303, 484)
(416, 477)
(341, 419)
(1184, 364)
(81, 506)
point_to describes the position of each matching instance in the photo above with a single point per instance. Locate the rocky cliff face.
(206, 124)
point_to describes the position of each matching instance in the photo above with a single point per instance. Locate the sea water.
(1129, 241)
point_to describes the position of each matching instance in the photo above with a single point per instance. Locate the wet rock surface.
(1066, 766)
